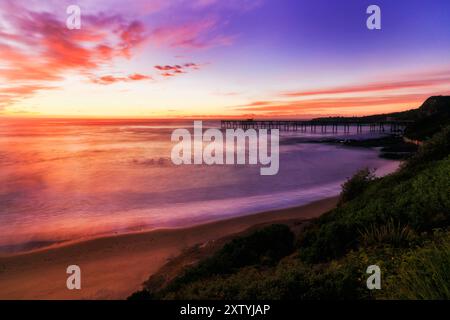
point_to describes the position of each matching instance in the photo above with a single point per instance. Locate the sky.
(221, 58)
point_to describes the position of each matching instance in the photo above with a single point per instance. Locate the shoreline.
(139, 229)
(31, 246)
(113, 267)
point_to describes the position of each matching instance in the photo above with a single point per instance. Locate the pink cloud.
(12, 94)
(173, 70)
(191, 35)
(138, 77)
(109, 79)
(38, 48)
(424, 81)
(399, 93)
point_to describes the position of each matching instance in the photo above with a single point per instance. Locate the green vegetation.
(423, 273)
(356, 185)
(400, 222)
(264, 247)
(391, 233)
(417, 196)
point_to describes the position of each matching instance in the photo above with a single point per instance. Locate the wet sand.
(113, 267)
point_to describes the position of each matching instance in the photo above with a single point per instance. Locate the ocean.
(65, 180)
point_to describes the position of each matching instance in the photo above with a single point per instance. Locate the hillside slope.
(400, 222)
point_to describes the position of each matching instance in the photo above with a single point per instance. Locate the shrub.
(435, 149)
(424, 274)
(140, 295)
(417, 196)
(289, 280)
(354, 186)
(390, 233)
(263, 247)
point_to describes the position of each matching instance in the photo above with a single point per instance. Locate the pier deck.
(313, 125)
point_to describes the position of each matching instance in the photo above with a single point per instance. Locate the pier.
(319, 125)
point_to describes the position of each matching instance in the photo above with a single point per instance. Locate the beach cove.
(116, 266)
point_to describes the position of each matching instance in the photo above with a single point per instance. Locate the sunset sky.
(221, 58)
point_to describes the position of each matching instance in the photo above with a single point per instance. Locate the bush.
(263, 247)
(391, 233)
(289, 280)
(424, 274)
(140, 295)
(327, 241)
(433, 150)
(417, 195)
(354, 186)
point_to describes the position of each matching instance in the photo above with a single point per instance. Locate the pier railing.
(393, 126)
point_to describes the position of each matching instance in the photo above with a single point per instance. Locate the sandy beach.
(114, 267)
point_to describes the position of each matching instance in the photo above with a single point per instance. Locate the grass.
(391, 233)
(424, 273)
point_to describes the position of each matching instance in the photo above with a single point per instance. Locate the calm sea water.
(66, 180)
